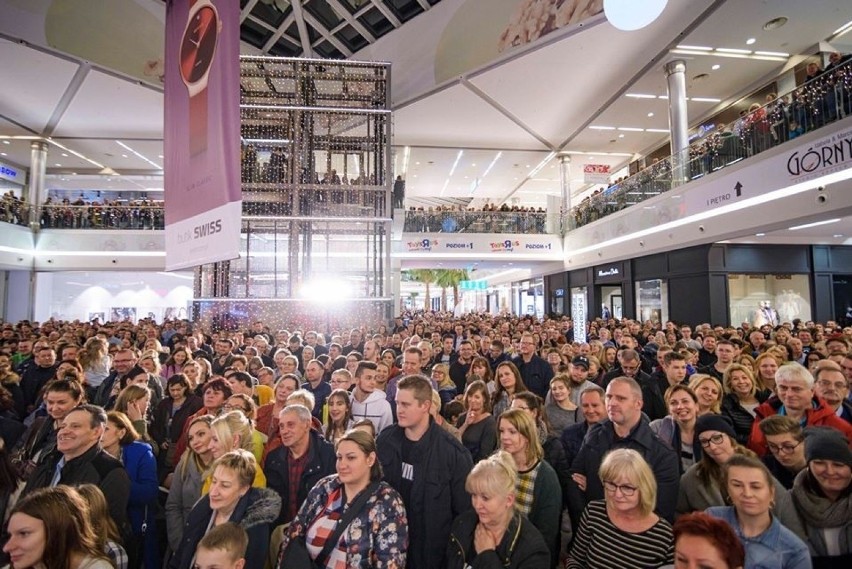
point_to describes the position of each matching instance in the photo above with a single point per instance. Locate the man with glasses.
(833, 388)
(123, 362)
(796, 399)
(535, 371)
(625, 427)
(784, 439)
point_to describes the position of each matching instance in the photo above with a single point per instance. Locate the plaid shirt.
(117, 554)
(526, 485)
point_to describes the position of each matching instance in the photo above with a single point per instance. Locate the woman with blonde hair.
(233, 430)
(622, 530)
(539, 495)
(709, 392)
(188, 478)
(494, 533)
(741, 398)
(446, 387)
(149, 360)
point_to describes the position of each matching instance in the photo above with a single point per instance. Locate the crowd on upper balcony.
(488, 219)
(824, 97)
(84, 214)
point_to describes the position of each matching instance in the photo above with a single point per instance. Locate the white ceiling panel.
(458, 117)
(109, 107)
(556, 88)
(33, 83)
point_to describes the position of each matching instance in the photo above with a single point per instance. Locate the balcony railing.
(818, 102)
(417, 221)
(92, 216)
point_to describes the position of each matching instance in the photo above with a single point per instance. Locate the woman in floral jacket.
(377, 537)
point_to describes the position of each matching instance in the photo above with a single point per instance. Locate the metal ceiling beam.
(299, 14)
(247, 10)
(315, 24)
(67, 97)
(288, 21)
(505, 112)
(262, 23)
(387, 13)
(424, 4)
(344, 14)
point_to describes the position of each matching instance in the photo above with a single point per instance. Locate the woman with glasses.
(742, 397)
(785, 441)
(477, 425)
(768, 543)
(447, 389)
(539, 495)
(622, 530)
(703, 485)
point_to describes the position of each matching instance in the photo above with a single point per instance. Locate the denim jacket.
(775, 548)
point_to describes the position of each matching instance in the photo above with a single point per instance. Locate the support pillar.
(36, 191)
(565, 216)
(678, 125)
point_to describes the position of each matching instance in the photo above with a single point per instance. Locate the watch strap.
(198, 123)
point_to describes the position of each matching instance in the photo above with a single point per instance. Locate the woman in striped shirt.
(622, 530)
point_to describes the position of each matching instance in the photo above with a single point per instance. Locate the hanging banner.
(202, 132)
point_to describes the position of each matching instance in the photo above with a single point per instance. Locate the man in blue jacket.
(428, 467)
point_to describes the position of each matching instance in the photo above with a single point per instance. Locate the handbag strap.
(344, 521)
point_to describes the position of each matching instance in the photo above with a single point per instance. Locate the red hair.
(717, 532)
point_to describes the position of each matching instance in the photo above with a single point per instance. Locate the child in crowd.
(224, 547)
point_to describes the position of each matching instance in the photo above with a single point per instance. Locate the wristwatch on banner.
(197, 48)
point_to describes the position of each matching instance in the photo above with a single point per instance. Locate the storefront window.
(578, 312)
(769, 299)
(652, 300)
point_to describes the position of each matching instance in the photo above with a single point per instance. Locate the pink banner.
(202, 132)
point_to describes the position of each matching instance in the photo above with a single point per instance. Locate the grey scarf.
(818, 511)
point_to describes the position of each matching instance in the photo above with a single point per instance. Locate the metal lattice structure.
(334, 29)
(316, 188)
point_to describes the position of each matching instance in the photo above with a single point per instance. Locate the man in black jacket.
(428, 467)
(294, 468)
(624, 428)
(630, 366)
(535, 372)
(79, 459)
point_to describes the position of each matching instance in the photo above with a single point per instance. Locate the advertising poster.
(578, 313)
(202, 132)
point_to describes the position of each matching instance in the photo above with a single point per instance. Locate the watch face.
(198, 45)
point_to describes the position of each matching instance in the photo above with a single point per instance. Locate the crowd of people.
(434, 441)
(84, 214)
(489, 219)
(824, 97)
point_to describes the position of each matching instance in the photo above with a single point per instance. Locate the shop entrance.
(612, 302)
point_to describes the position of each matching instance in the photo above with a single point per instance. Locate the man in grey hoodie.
(367, 401)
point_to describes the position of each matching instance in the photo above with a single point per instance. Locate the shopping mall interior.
(698, 168)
